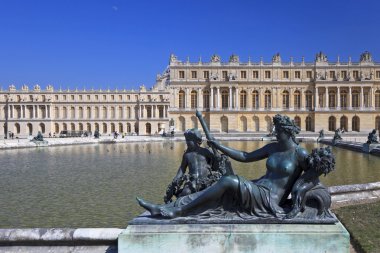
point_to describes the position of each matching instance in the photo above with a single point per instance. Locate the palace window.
(120, 97)
(104, 97)
(355, 99)
(267, 74)
(377, 74)
(64, 97)
(255, 99)
(309, 74)
(193, 74)
(297, 99)
(309, 99)
(285, 99)
(255, 74)
(267, 99)
(343, 99)
(206, 99)
(80, 97)
(206, 74)
(56, 97)
(225, 97)
(332, 99)
(128, 97)
(243, 99)
(72, 97)
(344, 74)
(194, 99)
(356, 74)
(332, 123)
(332, 74)
(224, 74)
(366, 100)
(309, 126)
(88, 97)
(181, 99)
(285, 74)
(112, 97)
(297, 74)
(243, 74)
(181, 74)
(377, 99)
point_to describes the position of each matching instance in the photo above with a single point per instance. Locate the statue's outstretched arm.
(243, 156)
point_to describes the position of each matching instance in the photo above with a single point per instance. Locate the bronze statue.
(266, 197)
(372, 137)
(39, 137)
(200, 163)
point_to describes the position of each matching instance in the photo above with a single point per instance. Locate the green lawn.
(363, 223)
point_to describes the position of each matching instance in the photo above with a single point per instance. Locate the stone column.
(361, 98)
(372, 98)
(218, 98)
(316, 98)
(350, 98)
(302, 99)
(273, 98)
(230, 98)
(338, 97)
(237, 93)
(200, 98)
(249, 99)
(327, 97)
(260, 99)
(186, 98)
(35, 111)
(211, 97)
(291, 99)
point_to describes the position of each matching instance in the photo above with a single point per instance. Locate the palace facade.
(233, 96)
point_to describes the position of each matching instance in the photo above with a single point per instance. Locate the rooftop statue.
(372, 137)
(289, 169)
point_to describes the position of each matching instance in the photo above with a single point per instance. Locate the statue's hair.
(321, 160)
(287, 125)
(193, 135)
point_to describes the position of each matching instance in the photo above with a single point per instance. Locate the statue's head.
(374, 131)
(285, 127)
(193, 135)
(322, 160)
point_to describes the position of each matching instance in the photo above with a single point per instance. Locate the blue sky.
(123, 44)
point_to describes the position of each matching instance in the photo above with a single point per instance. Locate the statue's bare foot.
(152, 208)
(170, 211)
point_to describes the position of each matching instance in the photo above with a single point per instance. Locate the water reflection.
(96, 185)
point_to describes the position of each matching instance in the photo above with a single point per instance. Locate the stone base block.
(367, 148)
(263, 238)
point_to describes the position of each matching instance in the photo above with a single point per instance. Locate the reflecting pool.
(96, 185)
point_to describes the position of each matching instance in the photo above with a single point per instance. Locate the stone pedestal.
(367, 148)
(263, 238)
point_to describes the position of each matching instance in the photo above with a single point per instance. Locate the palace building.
(233, 96)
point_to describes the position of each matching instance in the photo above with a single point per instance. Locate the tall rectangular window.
(297, 74)
(332, 74)
(309, 74)
(193, 74)
(344, 74)
(285, 74)
(243, 74)
(355, 74)
(181, 74)
(377, 74)
(206, 74)
(255, 74)
(267, 74)
(224, 74)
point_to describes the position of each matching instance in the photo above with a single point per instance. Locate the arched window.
(64, 126)
(256, 123)
(129, 129)
(96, 126)
(332, 99)
(285, 99)
(255, 99)
(343, 99)
(377, 123)
(72, 127)
(64, 112)
(194, 122)
(88, 112)
(297, 121)
(81, 112)
(181, 99)
(309, 99)
(17, 128)
(206, 99)
(224, 124)
(182, 123)
(148, 128)
(113, 127)
(267, 99)
(332, 123)
(309, 124)
(113, 114)
(297, 99)
(80, 126)
(377, 99)
(97, 113)
(356, 124)
(56, 128)
(344, 123)
(225, 97)
(56, 112)
(121, 112)
(243, 99)
(72, 112)
(105, 128)
(355, 99)
(104, 112)
(243, 124)
(194, 99)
